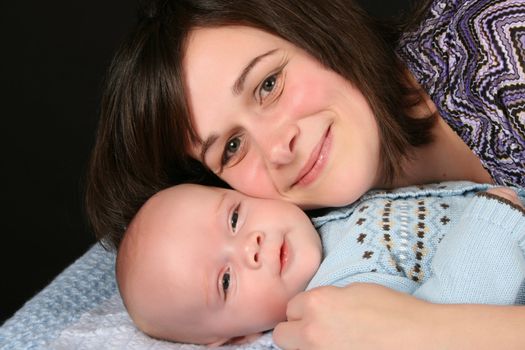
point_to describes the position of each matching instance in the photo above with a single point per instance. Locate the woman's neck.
(447, 158)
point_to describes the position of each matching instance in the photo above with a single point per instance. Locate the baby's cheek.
(274, 306)
(278, 314)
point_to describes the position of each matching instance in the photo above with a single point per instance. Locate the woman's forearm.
(479, 326)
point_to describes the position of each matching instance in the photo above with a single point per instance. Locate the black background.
(53, 57)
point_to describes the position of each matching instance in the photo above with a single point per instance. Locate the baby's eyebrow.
(206, 290)
(210, 290)
(220, 204)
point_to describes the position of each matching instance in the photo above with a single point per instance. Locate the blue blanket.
(81, 309)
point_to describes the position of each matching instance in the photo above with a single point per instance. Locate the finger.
(506, 193)
(503, 191)
(287, 335)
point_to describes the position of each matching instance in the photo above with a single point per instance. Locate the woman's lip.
(316, 162)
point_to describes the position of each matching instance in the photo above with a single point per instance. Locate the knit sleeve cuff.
(501, 200)
(499, 212)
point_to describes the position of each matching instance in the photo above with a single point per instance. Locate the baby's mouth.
(283, 256)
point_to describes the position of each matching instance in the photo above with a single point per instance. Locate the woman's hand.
(359, 316)
(369, 316)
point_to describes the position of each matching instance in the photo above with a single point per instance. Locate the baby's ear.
(244, 339)
(235, 341)
(217, 343)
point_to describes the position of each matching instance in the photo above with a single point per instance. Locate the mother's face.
(275, 123)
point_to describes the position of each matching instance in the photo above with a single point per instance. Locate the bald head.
(151, 273)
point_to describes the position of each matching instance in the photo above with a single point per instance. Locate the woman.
(307, 101)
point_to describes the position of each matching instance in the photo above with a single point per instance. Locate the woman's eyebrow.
(205, 146)
(237, 89)
(238, 86)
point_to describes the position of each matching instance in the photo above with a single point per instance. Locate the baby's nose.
(252, 249)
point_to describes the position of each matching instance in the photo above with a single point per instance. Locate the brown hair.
(145, 127)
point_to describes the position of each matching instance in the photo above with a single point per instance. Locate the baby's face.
(214, 264)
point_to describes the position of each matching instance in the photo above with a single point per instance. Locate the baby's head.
(208, 265)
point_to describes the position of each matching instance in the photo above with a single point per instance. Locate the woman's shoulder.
(449, 32)
(468, 55)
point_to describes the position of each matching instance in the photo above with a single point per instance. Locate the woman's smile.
(317, 161)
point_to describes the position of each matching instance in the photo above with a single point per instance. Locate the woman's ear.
(235, 341)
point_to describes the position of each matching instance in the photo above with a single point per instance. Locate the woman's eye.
(234, 218)
(268, 86)
(230, 149)
(225, 282)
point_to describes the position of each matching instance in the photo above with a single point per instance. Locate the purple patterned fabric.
(469, 55)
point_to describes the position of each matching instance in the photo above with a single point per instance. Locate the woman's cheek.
(251, 177)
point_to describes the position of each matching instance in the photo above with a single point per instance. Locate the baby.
(209, 266)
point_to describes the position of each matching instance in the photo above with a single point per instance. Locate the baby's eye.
(225, 282)
(230, 149)
(234, 218)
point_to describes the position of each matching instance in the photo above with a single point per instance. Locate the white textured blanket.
(81, 309)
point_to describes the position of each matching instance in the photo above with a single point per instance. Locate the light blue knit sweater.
(446, 243)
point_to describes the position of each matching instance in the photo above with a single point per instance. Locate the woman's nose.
(252, 249)
(281, 145)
